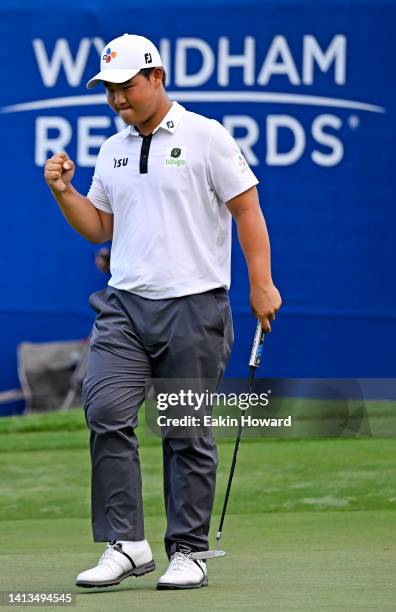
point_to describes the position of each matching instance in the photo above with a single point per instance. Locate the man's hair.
(147, 71)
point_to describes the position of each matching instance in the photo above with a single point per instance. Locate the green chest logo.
(176, 157)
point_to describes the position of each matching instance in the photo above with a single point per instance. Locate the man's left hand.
(265, 301)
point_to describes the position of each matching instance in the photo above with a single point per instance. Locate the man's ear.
(157, 74)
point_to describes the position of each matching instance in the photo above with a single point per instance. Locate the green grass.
(311, 523)
(295, 561)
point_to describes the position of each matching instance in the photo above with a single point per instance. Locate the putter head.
(207, 554)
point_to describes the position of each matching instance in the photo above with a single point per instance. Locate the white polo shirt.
(167, 192)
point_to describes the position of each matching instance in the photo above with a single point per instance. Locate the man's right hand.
(58, 172)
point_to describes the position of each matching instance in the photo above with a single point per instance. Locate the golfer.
(164, 191)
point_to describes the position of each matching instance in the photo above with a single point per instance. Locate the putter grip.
(257, 347)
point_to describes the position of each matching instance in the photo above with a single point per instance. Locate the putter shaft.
(254, 362)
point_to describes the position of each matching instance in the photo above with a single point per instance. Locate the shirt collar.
(169, 123)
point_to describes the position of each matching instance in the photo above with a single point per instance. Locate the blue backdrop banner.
(307, 89)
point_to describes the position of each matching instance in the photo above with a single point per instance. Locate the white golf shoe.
(184, 573)
(116, 564)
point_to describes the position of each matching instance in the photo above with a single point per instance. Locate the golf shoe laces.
(180, 560)
(107, 553)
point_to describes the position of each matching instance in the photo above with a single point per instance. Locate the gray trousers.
(134, 339)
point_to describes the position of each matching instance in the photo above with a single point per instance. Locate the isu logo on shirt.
(120, 162)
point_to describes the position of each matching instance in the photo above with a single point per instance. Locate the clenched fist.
(58, 172)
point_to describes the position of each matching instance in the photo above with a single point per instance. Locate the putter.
(254, 363)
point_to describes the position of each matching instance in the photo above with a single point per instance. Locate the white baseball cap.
(124, 57)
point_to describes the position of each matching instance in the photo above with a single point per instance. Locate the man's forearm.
(254, 241)
(81, 214)
(265, 299)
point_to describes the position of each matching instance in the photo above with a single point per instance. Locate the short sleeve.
(229, 172)
(97, 194)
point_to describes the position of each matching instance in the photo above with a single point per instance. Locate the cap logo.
(109, 55)
(148, 59)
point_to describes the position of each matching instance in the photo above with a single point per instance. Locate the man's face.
(135, 100)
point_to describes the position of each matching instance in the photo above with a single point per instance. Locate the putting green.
(311, 523)
(290, 561)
